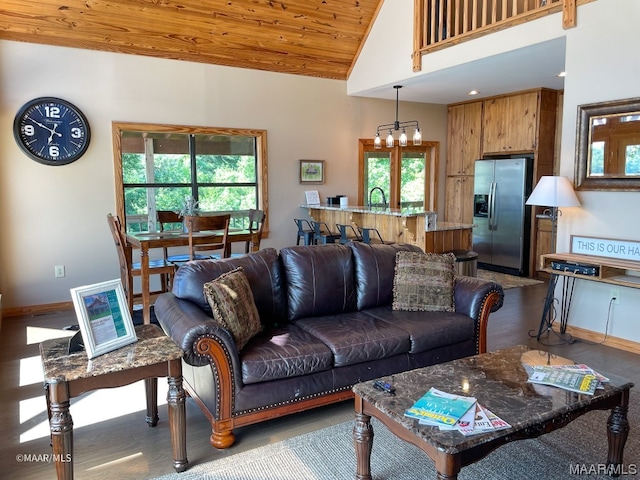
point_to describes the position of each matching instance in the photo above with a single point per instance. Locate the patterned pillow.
(233, 307)
(424, 282)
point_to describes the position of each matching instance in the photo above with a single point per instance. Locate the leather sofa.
(327, 324)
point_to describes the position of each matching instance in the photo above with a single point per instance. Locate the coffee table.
(69, 375)
(499, 381)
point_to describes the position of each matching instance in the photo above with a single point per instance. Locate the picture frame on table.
(312, 172)
(103, 316)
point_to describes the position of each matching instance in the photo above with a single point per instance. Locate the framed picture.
(312, 171)
(104, 317)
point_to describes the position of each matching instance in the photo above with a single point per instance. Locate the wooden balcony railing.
(442, 23)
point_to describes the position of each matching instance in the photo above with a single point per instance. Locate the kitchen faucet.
(384, 198)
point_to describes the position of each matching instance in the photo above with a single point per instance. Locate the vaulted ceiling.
(319, 38)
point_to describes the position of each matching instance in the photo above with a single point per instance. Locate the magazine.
(568, 379)
(477, 419)
(440, 407)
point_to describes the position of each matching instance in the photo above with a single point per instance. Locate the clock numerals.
(77, 132)
(52, 111)
(54, 151)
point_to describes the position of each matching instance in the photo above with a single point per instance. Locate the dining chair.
(322, 234)
(169, 218)
(128, 269)
(366, 234)
(217, 227)
(305, 231)
(256, 226)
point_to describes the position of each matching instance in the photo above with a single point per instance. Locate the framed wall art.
(312, 171)
(103, 316)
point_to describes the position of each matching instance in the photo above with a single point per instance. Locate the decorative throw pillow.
(424, 282)
(233, 307)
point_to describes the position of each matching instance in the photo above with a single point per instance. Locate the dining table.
(146, 241)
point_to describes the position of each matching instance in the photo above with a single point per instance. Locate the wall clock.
(51, 131)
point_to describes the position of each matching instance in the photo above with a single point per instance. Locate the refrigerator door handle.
(492, 205)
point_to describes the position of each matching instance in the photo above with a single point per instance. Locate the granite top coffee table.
(498, 380)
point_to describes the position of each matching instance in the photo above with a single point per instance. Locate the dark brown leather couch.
(328, 324)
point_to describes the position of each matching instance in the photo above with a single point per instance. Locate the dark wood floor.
(124, 447)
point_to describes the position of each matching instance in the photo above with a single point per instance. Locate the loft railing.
(442, 23)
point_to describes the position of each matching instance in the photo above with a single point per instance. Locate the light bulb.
(403, 139)
(390, 140)
(377, 142)
(417, 137)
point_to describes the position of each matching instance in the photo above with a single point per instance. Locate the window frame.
(432, 154)
(261, 153)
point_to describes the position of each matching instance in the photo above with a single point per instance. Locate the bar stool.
(305, 231)
(366, 232)
(343, 230)
(322, 234)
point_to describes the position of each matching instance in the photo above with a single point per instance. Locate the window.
(159, 166)
(406, 175)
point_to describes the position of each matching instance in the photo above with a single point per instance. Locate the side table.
(69, 375)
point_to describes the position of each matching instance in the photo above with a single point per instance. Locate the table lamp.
(553, 192)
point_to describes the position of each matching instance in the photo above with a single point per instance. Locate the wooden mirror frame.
(583, 142)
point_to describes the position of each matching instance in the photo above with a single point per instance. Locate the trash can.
(466, 262)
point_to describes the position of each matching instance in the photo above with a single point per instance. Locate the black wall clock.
(51, 131)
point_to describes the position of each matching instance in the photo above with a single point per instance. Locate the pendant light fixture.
(398, 127)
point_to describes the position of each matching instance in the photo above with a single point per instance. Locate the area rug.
(577, 451)
(507, 281)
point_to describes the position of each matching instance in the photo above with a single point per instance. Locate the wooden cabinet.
(543, 242)
(459, 199)
(464, 137)
(517, 123)
(510, 124)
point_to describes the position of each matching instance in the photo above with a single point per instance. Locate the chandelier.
(398, 127)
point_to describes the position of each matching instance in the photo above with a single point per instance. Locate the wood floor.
(112, 440)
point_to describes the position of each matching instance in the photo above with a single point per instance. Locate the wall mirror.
(608, 146)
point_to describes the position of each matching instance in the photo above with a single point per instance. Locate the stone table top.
(152, 347)
(498, 380)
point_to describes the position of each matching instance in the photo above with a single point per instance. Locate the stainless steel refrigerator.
(501, 220)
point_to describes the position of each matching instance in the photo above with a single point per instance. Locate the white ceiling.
(530, 67)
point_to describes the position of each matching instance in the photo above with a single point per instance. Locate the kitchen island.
(397, 225)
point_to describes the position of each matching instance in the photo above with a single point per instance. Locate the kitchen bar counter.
(398, 226)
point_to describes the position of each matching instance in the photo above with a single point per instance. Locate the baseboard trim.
(36, 309)
(597, 337)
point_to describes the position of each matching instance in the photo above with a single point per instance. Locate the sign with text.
(606, 247)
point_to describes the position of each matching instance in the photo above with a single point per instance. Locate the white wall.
(56, 215)
(601, 66)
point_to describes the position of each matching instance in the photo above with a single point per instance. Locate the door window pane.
(377, 174)
(412, 180)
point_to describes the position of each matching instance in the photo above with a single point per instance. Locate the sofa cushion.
(428, 330)
(357, 337)
(263, 270)
(374, 267)
(283, 352)
(319, 280)
(424, 281)
(231, 301)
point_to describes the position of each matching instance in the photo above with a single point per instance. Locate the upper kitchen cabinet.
(464, 138)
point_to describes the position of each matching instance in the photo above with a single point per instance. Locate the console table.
(625, 273)
(68, 375)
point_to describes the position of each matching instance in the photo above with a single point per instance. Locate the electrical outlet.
(615, 294)
(59, 271)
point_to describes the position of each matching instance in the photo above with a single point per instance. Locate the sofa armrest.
(478, 298)
(187, 325)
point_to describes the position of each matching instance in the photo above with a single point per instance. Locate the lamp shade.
(553, 191)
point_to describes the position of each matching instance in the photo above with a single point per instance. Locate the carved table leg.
(151, 387)
(177, 420)
(61, 429)
(617, 432)
(363, 441)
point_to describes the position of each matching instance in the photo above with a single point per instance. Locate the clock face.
(51, 131)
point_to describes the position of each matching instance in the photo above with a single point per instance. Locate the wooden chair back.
(256, 225)
(208, 223)
(124, 257)
(167, 216)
